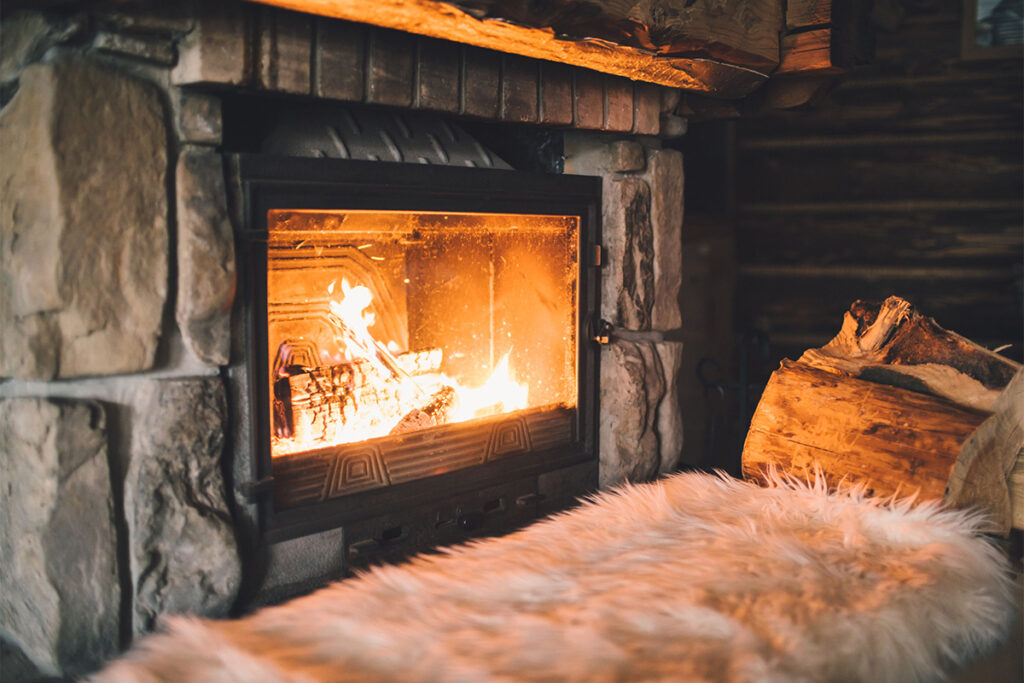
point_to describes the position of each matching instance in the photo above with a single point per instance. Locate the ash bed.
(694, 577)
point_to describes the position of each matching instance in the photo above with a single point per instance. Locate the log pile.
(327, 404)
(903, 406)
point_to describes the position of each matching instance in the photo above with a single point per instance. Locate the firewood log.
(903, 406)
(437, 411)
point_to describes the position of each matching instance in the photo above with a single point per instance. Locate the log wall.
(906, 178)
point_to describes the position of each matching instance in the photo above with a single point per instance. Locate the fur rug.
(692, 578)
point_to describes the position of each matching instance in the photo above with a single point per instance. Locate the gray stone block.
(647, 108)
(27, 35)
(59, 591)
(285, 45)
(634, 288)
(665, 178)
(206, 256)
(626, 156)
(198, 117)
(670, 412)
(632, 386)
(155, 49)
(214, 51)
(618, 94)
(83, 233)
(184, 556)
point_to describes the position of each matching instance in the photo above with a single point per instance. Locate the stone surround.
(118, 280)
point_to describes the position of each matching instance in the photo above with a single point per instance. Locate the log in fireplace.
(421, 365)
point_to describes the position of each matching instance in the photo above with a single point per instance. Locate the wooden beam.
(709, 65)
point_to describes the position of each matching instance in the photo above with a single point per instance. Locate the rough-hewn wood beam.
(696, 71)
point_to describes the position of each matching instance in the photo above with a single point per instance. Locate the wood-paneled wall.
(905, 179)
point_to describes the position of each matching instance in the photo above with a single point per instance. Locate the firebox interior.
(381, 323)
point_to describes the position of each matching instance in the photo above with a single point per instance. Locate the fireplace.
(163, 324)
(421, 358)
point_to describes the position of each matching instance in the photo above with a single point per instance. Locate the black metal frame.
(301, 183)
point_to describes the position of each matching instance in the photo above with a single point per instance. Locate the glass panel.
(382, 323)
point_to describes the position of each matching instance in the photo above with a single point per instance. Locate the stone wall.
(115, 294)
(117, 282)
(641, 429)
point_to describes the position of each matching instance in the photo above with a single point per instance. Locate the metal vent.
(371, 135)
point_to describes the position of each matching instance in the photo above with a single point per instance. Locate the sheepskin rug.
(692, 578)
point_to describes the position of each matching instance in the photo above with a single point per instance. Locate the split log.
(903, 406)
(894, 344)
(437, 411)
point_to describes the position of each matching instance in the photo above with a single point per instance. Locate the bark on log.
(902, 405)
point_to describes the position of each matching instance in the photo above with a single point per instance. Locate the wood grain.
(894, 440)
(710, 62)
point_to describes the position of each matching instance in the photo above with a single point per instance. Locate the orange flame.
(378, 393)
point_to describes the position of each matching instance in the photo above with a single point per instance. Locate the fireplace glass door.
(402, 344)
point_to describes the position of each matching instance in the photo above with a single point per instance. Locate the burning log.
(436, 412)
(903, 406)
(353, 400)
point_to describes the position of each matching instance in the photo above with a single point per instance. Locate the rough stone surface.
(184, 557)
(59, 592)
(25, 36)
(634, 289)
(627, 234)
(206, 256)
(632, 386)
(670, 414)
(149, 48)
(641, 422)
(673, 126)
(626, 156)
(214, 51)
(198, 117)
(83, 223)
(665, 178)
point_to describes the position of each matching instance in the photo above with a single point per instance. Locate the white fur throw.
(692, 578)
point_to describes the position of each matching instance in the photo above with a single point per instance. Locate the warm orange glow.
(382, 323)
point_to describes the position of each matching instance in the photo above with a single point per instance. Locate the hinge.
(598, 255)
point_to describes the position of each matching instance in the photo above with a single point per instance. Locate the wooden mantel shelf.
(722, 53)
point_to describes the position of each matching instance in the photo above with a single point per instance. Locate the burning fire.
(375, 390)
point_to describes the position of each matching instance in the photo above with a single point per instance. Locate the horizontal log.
(976, 170)
(839, 206)
(992, 106)
(874, 140)
(722, 67)
(925, 238)
(985, 310)
(894, 440)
